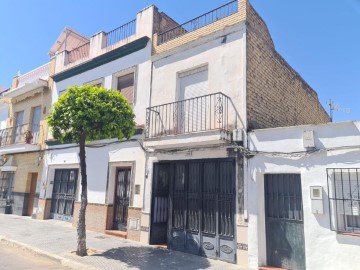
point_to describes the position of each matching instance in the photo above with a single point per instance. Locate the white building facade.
(119, 59)
(303, 187)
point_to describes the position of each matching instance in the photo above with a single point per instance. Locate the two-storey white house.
(118, 59)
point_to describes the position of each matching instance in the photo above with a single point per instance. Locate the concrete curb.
(63, 261)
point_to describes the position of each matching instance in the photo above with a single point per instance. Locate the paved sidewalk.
(58, 239)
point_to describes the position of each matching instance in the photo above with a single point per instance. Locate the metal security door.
(63, 195)
(202, 197)
(285, 244)
(122, 199)
(160, 204)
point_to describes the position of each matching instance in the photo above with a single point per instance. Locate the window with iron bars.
(344, 199)
(5, 185)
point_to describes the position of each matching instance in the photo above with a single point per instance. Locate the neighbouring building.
(214, 78)
(118, 59)
(24, 108)
(303, 196)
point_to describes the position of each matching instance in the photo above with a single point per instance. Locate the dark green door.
(202, 208)
(285, 244)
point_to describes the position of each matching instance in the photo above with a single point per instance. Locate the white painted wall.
(226, 65)
(324, 249)
(139, 60)
(101, 169)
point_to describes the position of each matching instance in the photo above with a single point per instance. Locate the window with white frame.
(344, 199)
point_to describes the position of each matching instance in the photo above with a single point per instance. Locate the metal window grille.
(5, 185)
(344, 199)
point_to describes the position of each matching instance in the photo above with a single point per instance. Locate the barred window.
(344, 199)
(4, 185)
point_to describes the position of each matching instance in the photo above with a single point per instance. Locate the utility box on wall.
(308, 139)
(316, 196)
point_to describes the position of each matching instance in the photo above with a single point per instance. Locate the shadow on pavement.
(155, 258)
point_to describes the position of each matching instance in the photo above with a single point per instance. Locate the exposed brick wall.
(134, 213)
(96, 216)
(162, 22)
(276, 94)
(43, 210)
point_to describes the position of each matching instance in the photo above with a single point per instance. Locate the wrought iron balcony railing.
(27, 133)
(80, 52)
(120, 33)
(204, 113)
(201, 21)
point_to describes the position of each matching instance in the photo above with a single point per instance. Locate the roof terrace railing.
(120, 33)
(80, 52)
(201, 21)
(38, 73)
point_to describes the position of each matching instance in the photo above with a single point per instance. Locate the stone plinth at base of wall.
(134, 223)
(43, 209)
(96, 216)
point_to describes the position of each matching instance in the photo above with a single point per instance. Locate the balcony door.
(35, 124)
(193, 106)
(18, 126)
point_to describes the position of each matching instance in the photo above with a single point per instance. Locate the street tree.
(86, 113)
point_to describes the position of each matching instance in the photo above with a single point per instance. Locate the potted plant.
(28, 136)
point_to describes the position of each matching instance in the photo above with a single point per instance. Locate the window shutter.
(126, 87)
(194, 85)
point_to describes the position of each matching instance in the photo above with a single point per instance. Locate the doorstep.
(271, 268)
(115, 233)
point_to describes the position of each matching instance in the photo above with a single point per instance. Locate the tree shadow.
(155, 258)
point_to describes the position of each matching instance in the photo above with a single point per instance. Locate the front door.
(160, 204)
(285, 244)
(63, 196)
(201, 207)
(32, 193)
(122, 199)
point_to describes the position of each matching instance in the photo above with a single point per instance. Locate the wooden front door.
(32, 193)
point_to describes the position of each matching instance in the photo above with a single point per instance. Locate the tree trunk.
(81, 226)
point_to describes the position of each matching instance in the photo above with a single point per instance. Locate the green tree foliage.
(89, 113)
(97, 112)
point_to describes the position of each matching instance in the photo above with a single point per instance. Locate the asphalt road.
(12, 258)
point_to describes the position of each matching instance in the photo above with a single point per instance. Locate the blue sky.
(320, 39)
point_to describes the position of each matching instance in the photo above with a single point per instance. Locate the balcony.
(201, 21)
(194, 121)
(201, 26)
(20, 138)
(101, 43)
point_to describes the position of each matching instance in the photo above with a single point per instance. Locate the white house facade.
(303, 199)
(119, 59)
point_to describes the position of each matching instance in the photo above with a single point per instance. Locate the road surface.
(12, 258)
